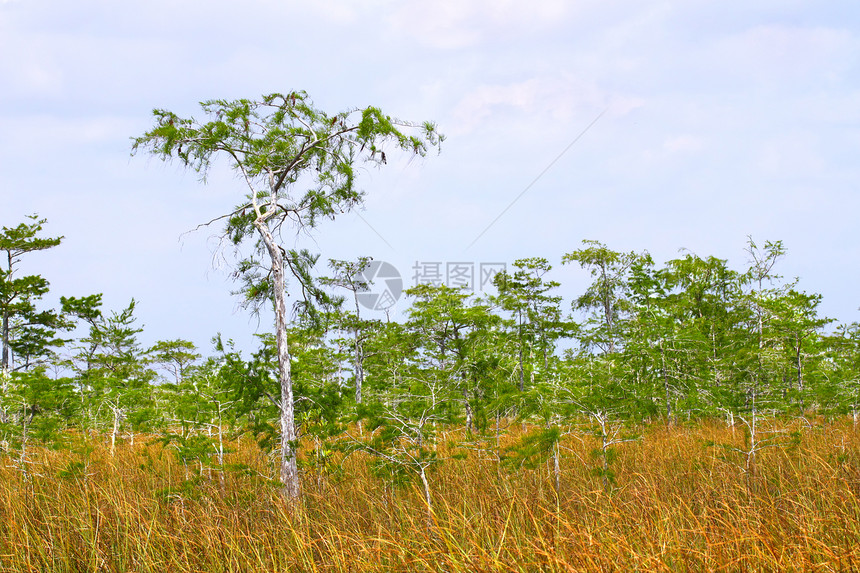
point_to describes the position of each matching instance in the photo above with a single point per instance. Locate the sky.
(648, 126)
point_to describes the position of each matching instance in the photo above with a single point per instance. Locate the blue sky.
(722, 120)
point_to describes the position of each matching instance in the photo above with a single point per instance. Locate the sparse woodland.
(680, 416)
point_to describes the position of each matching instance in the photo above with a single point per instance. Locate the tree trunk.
(750, 468)
(468, 408)
(359, 359)
(666, 385)
(4, 361)
(427, 499)
(114, 431)
(498, 448)
(522, 372)
(604, 458)
(4, 367)
(4, 364)
(220, 439)
(800, 377)
(289, 467)
(5, 358)
(359, 369)
(24, 436)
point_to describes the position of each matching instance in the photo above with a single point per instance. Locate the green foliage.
(690, 339)
(192, 448)
(38, 411)
(277, 140)
(27, 335)
(533, 449)
(606, 299)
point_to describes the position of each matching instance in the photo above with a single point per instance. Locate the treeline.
(678, 342)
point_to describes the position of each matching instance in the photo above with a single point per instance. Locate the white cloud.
(790, 157)
(705, 100)
(31, 70)
(683, 143)
(775, 52)
(454, 24)
(36, 134)
(540, 99)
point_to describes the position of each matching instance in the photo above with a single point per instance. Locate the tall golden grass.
(677, 506)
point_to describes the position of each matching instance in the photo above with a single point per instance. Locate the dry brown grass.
(677, 507)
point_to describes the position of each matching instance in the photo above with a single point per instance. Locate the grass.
(677, 506)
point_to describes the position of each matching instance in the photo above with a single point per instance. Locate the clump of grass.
(678, 505)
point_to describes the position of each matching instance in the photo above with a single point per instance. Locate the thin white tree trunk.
(359, 369)
(468, 407)
(289, 467)
(25, 434)
(5, 365)
(427, 499)
(114, 431)
(604, 447)
(220, 439)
